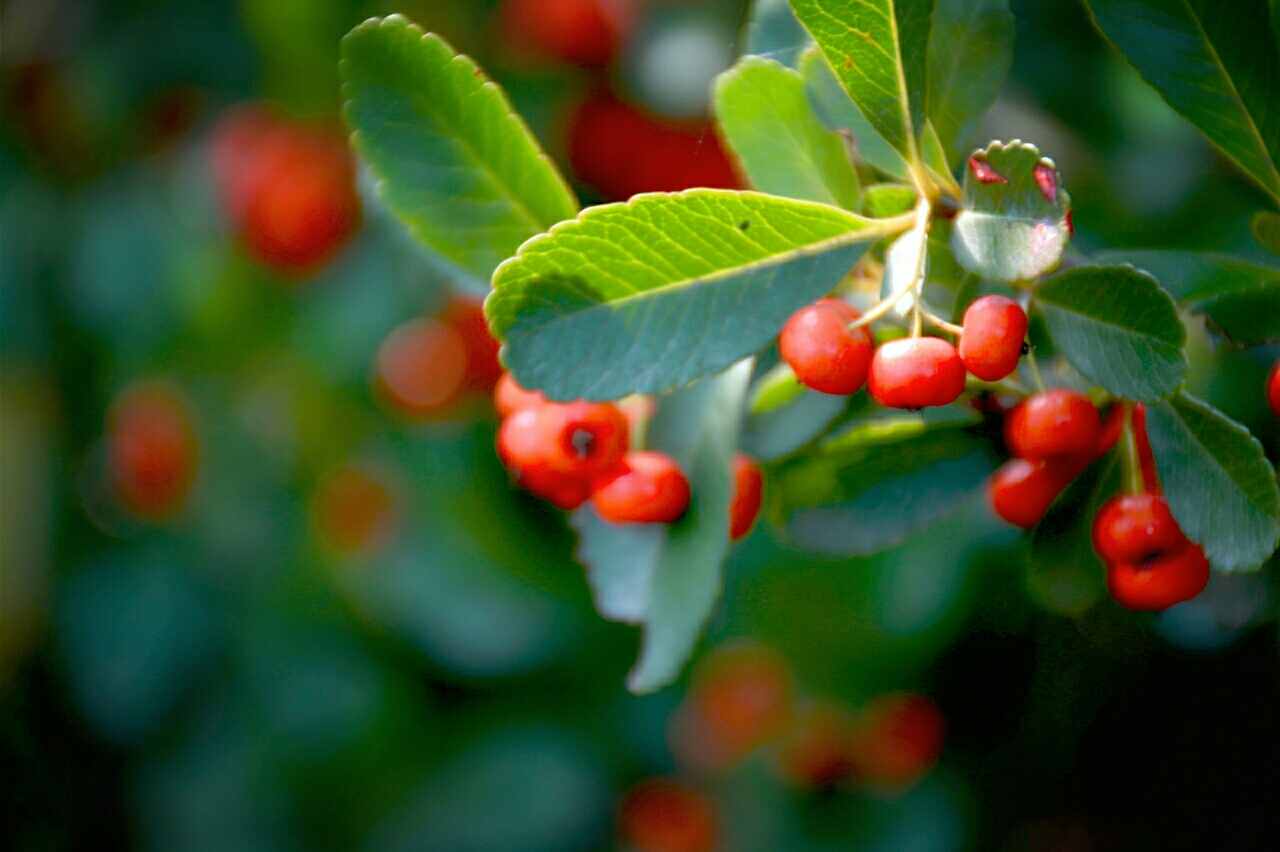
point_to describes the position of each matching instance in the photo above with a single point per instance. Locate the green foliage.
(839, 113)
(1065, 572)
(878, 50)
(1219, 485)
(780, 143)
(1216, 63)
(772, 30)
(1241, 299)
(970, 53)
(1266, 227)
(668, 578)
(1014, 223)
(454, 162)
(651, 294)
(1118, 328)
(861, 495)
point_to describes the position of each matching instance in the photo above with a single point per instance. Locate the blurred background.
(264, 585)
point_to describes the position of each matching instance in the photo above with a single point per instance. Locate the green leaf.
(970, 54)
(784, 415)
(1065, 573)
(878, 50)
(888, 199)
(772, 30)
(1241, 299)
(454, 163)
(1118, 328)
(1216, 63)
(651, 294)
(1014, 225)
(667, 578)
(857, 498)
(934, 157)
(839, 113)
(1266, 227)
(780, 143)
(1218, 482)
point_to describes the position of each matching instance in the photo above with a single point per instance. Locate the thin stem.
(1133, 481)
(1035, 370)
(882, 307)
(939, 322)
(917, 319)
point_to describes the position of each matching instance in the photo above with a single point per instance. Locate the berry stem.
(1035, 370)
(939, 322)
(1133, 482)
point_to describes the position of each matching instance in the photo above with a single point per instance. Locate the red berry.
(556, 450)
(1136, 528)
(1159, 583)
(896, 739)
(466, 316)
(1022, 491)
(664, 816)
(647, 488)
(580, 32)
(151, 450)
(994, 329)
(421, 367)
(1059, 422)
(354, 510)
(1273, 389)
(815, 752)
(916, 372)
(748, 485)
(509, 397)
(823, 352)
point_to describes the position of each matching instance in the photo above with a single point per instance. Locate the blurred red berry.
(151, 450)
(421, 367)
(354, 510)
(896, 739)
(1022, 491)
(580, 32)
(815, 751)
(648, 487)
(466, 316)
(658, 815)
(1273, 389)
(748, 492)
(509, 397)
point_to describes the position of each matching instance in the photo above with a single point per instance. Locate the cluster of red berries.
(743, 697)
(828, 355)
(1151, 564)
(287, 188)
(426, 365)
(567, 453)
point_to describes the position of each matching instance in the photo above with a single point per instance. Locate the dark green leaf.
(859, 497)
(1014, 223)
(1219, 485)
(454, 162)
(668, 578)
(1242, 300)
(784, 415)
(772, 30)
(878, 50)
(970, 53)
(1266, 227)
(1065, 574)
(780, 143)
(839, 113)
(1215, 62)
(1117, 327)
(653, 293)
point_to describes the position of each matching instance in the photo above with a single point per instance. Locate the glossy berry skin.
(896, 739)
(421, 368)
(658, 815)
(994, 329)
(509, 397)
(1136, 528)
(1022, 491)
(1273, 389)
(557, 450)
(648, 487)
(1059, 422)
(1161, 582)
(151, 451)
(824, 354)
(916, 372)
(748, 491)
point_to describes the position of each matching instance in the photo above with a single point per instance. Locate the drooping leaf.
(651, 294)
(667, 578)
(1065, 573)
(1014, 225)
(453, 161)
(878, 50)
(1266, 227)
(859, 497)
(784, 415)
(1216, 63)
(970, 53)
(1117, 327)
(1241, 299)
(773, 31)
(1218, 482)
(839, 113)
(780, 143)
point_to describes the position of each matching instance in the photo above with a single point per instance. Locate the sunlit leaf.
(970, 53)
(839, 113)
